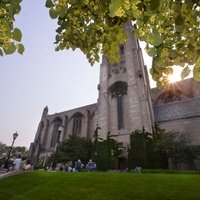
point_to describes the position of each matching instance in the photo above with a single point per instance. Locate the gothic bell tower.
(124, 103)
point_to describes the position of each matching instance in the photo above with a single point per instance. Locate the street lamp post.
(7, 160)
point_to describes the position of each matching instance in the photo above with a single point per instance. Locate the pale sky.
(62, 80)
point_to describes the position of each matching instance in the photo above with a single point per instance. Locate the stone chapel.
(125, 103)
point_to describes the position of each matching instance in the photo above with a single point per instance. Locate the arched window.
(65, 127)
(56, 133)
(77, 124)
(169, 96)
(118, 90)
(122, 50)
(46, 134)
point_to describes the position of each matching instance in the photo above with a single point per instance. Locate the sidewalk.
(4, 174)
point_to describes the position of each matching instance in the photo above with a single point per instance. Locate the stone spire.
(45, 112)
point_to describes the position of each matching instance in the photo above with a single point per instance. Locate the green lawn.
(102, 186)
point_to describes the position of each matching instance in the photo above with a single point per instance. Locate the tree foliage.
(4, 151)
(141, 150)
(161, 149)
(10, 37)
(174, 147)
(73, 149)
(105, 152)
(170, 29)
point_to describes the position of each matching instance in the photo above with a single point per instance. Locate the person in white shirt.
(17, 163)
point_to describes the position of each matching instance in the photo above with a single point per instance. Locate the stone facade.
(79, 121)
(125, 103)
(177, 108)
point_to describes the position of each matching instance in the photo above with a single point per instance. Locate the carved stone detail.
(118, 68)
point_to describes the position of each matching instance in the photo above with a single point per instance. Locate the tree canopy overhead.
(10, 37)
(170, 28)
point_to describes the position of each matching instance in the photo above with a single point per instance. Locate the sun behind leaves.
(170, 29)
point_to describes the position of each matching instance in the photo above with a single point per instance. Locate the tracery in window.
(77, 124)
(56, 133)
(170, 96)
(118, 90)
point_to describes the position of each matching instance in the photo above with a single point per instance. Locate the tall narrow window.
(77, 124)
(56, 134)
(122, 50)
(46, 134)
(120, 112)
(65, 127)
(118, 90)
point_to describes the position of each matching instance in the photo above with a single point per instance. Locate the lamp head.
(60, 129)
(15, 135)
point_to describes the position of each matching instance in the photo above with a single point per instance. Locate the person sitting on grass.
(78, 165)
(138, 169)
(91, 166)
(26, 165)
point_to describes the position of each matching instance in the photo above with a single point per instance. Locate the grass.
(100, 186)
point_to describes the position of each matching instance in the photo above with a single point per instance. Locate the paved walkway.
(11, 173)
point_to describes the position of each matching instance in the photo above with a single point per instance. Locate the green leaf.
(57, 48)
(53, 14)
(65, 24)
(1, 52)
(198, 61)
(179, 28)
(185, 72)
(17, 35)
(49, 4)
(20, 49)
(10, 49)
(154, 4)
(175, 6)
(152, 52)
(73, 1)
(157, 40)
(59, 29)
(179, 20)
(168, 71)
(159, 84)
(15, 5)
(62, 12)
(196, 72)
(114, 5)
(170, 3)
(173, 53)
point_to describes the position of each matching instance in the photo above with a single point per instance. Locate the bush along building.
(125, 103)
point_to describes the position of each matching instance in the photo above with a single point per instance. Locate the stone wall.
(182, 117)
(177, 110)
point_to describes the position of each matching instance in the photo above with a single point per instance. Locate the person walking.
(17, 163)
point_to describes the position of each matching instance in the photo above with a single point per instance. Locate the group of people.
(78, 167)
(91, 166)
(21, 163)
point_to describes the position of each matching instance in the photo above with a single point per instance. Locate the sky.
(41, 77)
